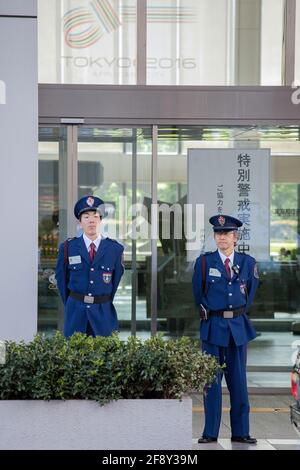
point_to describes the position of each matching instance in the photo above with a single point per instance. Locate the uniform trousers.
(235, 358)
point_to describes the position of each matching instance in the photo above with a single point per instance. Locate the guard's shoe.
(244, 440)
(206, 440)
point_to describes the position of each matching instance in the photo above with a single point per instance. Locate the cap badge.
(221, 220)
(90, 201)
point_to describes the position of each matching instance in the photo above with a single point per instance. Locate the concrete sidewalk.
(269, 423)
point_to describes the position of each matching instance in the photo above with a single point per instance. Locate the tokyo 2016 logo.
(83, 26)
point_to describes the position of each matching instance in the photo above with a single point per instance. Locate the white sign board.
(232, 182)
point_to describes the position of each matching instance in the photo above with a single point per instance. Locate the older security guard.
(224, 285)
(88, 272)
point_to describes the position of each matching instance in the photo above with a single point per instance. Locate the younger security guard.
(224, 285)
(88, 272)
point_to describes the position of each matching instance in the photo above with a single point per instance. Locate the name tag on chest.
(214, 272)
(74, 259)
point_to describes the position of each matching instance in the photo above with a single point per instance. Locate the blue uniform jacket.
(223, 294)
(100, 277)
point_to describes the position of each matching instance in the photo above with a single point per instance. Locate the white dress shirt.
(88, 242)
(223, 258)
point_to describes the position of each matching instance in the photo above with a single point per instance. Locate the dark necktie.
(227, 268)
(92, 251)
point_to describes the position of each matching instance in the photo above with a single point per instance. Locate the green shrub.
(104, 368)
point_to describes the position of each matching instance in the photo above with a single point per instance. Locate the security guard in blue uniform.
(88, 272)
(224, 285)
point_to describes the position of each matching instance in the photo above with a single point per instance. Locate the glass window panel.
(87, 41)
(277, 304)
(271, 42)
(214, 42)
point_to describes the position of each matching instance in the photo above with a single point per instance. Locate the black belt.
(222, 313)
(227, 313)
(89, 299)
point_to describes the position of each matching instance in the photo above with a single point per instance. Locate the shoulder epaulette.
(207, 253)
(114, 241)
(245, 254)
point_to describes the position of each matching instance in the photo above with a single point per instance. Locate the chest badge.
(107, 277)
(214, 272)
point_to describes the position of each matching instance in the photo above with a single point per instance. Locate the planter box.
(79, 424)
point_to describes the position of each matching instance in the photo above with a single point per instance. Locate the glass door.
(115, 165)
(52, 225)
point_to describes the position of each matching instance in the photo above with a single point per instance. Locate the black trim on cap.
(94, 209)
(225, 229)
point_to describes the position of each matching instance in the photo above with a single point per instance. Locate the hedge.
(103, 368)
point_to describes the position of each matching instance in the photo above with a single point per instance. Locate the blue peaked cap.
(224, 223)
(88, 203)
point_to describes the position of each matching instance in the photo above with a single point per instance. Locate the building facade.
(126, 90)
